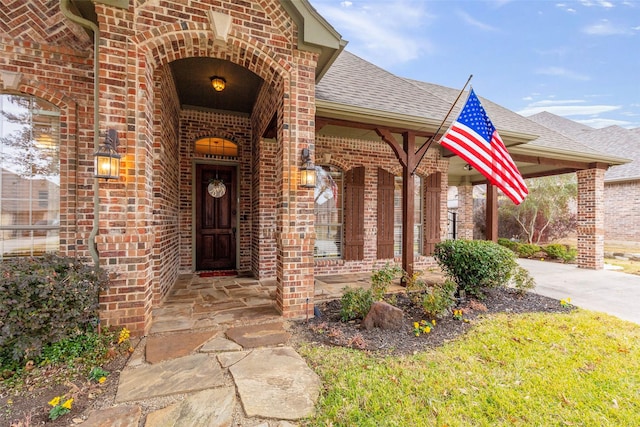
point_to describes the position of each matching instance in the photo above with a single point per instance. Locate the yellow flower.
(416, 324)
(67, 404)
(102, 379)
(55, 401)
(124, 335)
(434, 322)
(417, 334)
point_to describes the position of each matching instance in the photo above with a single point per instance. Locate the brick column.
(590, 226)
(126, 237)
(465, 211)
(295, 217)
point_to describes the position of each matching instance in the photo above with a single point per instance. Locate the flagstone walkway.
(217, 355)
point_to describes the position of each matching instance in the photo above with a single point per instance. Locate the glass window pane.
(328, 212)
(30, 175)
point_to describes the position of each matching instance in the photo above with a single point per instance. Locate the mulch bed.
(330, 330)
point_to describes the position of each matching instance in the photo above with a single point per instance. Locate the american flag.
(474, 138)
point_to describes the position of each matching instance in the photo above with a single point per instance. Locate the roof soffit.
(315, 34)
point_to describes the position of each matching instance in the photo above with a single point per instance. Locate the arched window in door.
(214, 146)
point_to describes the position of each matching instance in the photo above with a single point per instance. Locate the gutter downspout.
(64, 7)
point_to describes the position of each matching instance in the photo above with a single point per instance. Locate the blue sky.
(577, 59)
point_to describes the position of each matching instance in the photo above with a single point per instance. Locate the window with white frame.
(328, 212)
(29, 176)
(397, 216)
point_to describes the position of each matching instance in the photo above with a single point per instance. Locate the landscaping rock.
(384, 316)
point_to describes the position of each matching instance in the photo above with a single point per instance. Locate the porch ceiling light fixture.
(106, 161)
(307, 171)
(218, 83)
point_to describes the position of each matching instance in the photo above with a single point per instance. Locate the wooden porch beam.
(386, 136)
(537, 160)
(324, 121)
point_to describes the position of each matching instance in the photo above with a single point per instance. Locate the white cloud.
(604, 28)
(600, 123)
(562, 72)
(565, 7)
(597, 3)
(569, 109)
(384, 33)
(474, 22)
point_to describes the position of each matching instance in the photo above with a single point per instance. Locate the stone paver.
(262, 335)
(118, 416)
(219, 344)
(185, 374)
(231, 358)
(166, 347)
(208, 408)
(276, 383)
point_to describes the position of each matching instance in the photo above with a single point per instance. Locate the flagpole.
(430, 140)
(452, 106)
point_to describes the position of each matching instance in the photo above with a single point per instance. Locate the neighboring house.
(621, 183)
(210, 179)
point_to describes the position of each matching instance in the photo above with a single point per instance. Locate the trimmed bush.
(356, 303)
(44, 300)
(527, 250)
(509, 244)
(558, 251)
(476, 265)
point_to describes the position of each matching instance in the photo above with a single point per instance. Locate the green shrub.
(356, 303)
(475, 265)
(381, 280)
(522, 280)
(439, 298)
(44, 300)
(509, 244)
(558, 251)
(527, 250)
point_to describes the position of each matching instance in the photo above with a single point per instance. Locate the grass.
(580, 369)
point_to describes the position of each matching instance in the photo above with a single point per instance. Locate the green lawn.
(575, 369)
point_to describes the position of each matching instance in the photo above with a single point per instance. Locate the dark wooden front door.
(215, 219)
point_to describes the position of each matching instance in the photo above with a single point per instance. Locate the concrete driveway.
(605, 291)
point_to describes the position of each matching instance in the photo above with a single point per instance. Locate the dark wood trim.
(324, 121)
(537, 160)
(385, 214)
(354, 214)
(491, 232)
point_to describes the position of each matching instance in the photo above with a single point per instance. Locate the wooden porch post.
(491, 232)
(408, 203)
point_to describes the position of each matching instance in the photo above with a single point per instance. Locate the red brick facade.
(590, 227)
(146, 234)
(621, 208)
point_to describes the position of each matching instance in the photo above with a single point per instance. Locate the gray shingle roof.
(355, 82)
(613, 140)
(505, 119)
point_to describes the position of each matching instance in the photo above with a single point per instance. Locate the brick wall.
(166, 186)
(349, 153)
(590, 226)
(622, 211)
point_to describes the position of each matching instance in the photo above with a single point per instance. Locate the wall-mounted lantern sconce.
(106, 161)
(218, 83)
(307, 171)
